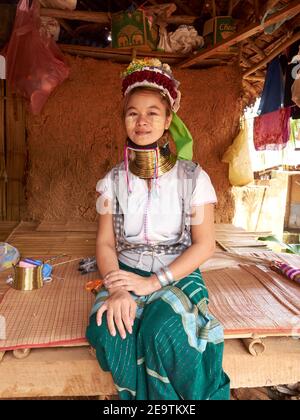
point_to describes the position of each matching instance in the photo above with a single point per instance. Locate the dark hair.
(162, 95)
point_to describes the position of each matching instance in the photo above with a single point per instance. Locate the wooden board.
(75, 372)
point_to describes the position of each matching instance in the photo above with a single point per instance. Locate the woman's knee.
(157, 320)
(96, 333)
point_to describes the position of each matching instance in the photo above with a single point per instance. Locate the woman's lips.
(142, 133)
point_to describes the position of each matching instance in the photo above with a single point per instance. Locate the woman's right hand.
(121, 311)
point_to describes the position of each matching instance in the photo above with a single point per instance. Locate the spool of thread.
(27, 278)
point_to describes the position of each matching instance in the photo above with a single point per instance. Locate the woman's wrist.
(155, 283)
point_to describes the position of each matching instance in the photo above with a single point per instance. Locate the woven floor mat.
(248, 300)
(55, 315)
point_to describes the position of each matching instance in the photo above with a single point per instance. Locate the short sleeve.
(105, 186)
(204, 192)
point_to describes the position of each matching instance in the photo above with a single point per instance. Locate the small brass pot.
(27, 278)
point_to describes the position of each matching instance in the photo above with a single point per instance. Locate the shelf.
(126, 54)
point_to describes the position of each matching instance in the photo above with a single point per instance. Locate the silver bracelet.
(162, 278)
(168, 274)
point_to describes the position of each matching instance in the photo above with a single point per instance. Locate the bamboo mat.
(250, 300)
(55, 315)
(32, 242)
(245, 299)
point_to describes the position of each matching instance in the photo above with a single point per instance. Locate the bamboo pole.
(270, 57)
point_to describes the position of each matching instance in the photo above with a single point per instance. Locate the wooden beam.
(119, 54)
(255, 48)
(97, 17)
(250, 88)
(104, 18)
(249, 64)
(255, 78)
(275, 52)
(292, 9)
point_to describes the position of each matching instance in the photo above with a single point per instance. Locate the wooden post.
(15, 155)
(3, 184)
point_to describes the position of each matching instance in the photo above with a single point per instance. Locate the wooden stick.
(270, 57)
(67, 262)
(255, 78)
(292, 9)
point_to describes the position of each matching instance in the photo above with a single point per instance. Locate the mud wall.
(79, 136)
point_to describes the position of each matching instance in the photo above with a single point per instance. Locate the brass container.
(27, 278)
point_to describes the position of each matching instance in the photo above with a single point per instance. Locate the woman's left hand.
(131, 282)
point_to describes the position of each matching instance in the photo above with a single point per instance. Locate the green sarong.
(175, 350)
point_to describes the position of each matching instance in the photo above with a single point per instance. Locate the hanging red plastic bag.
(35, 65)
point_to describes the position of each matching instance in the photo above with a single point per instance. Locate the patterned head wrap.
(150, 72)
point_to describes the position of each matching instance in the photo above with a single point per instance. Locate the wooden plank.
(75, 372)
(15, 155)
(279, 364)
(54, 372)
(122, 54)
(292, 9)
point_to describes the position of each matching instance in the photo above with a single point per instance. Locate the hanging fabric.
(273, 91)
(272, 130)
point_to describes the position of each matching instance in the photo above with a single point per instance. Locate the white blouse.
(155, 216)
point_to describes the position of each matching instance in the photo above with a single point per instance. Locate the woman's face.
(145, 118)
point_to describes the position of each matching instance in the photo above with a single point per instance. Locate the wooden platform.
(75, 372)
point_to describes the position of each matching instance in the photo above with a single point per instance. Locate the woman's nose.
(142, 120)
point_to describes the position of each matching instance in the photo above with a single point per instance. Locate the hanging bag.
(35, 65)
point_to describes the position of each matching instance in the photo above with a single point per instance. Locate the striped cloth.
(175, 351)
(293, 273)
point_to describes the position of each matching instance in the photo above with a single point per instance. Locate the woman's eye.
(131, 114)
(153, 113)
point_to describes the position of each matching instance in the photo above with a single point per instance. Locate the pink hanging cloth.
(272, 130)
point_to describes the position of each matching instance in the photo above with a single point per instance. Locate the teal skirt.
(175, 350)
